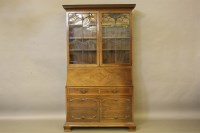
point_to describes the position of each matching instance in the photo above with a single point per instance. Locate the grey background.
(166, 58)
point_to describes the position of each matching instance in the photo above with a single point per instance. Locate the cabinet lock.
(83, 91)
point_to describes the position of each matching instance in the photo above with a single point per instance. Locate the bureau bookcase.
(99, 90)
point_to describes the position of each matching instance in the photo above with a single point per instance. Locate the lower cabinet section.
(99, 108)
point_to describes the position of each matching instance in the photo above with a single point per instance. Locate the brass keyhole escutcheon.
(114, 90)
(83, 91)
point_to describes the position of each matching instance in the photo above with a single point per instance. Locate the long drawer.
(100, 90)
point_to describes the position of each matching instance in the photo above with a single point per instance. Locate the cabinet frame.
(97, 83)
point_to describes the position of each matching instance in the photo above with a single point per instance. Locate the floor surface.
(55, 126)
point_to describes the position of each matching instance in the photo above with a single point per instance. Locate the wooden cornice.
(100, 6)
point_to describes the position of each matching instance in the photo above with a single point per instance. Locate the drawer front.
(116, 109)
(82, 102)
(116, 91)
(116, 117)
(83, 115)
(83, 91)
(83, 109)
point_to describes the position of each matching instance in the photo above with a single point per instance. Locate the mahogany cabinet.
(99, 90)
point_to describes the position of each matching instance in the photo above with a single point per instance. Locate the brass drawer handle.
(82, 99)
(115, 91)
(83, 117)
(116, 117)
(116, 100)
(83, 91)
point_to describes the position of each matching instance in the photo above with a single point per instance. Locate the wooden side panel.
(99, 76)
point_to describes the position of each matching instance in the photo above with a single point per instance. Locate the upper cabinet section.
(99, 35)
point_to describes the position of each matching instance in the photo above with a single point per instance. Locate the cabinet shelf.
(82, 38)
(116, 37)
(114, 26)
(80, 25)
(85, 50)
(116, 49)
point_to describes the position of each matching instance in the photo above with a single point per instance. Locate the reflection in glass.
(115, 19)
(84, 19)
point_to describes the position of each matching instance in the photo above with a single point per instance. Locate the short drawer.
(83, 91)
(116, 90)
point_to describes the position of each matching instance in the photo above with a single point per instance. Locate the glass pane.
(116, 38)
(108, 57)
(82, 38)
(89, 57)
(122, 57)
(75, 57)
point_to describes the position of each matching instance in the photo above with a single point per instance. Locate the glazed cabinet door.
(83, 109)
(82, 38)
(116, 38)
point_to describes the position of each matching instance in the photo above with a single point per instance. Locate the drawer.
(116, 90)
(82, 102)
(83, 115)
(83, 91)
(116, 116)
